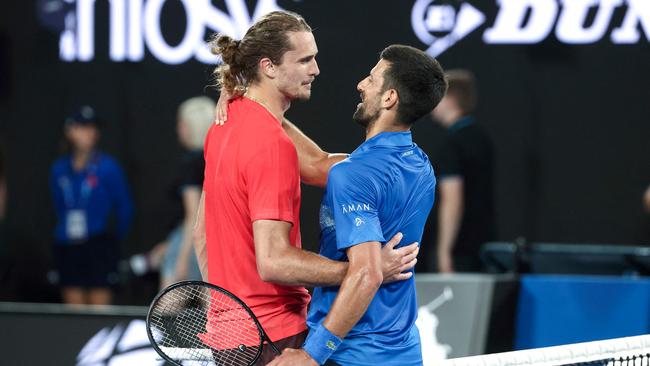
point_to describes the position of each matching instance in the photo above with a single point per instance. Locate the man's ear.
(267, 67)
(389, 99)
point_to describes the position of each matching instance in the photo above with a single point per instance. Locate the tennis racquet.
(205, 325)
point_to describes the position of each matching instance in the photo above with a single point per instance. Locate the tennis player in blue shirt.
(385, 186)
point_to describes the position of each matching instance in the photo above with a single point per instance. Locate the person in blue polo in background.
(386, 186)
(94, 211)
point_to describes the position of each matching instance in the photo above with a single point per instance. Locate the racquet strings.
(206, 326)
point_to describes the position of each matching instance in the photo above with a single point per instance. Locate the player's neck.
(270, 98)
(384, 123)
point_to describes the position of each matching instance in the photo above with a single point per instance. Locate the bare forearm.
(191, 198)
(201, 256)
(201, 252)
(351, 303)
(314, 162)
(357, 291)
(296, 267)
(199, 238)
(448, 226)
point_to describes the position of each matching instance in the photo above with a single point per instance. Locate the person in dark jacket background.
(464, 169)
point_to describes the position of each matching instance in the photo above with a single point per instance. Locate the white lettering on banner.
(117, 28)
(67, 42)
(86, 20)
(441, 25)
(510, 27)
(427, 18)
(193, 32)
(441, 18)
(570, 25)
(134, 26)
(135, 38)
(638, 13)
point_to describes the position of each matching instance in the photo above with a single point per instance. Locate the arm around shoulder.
(314, 162)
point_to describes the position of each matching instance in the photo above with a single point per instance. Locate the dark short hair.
(418, 79)
(462, 85)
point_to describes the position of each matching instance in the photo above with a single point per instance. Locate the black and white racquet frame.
(205, 324)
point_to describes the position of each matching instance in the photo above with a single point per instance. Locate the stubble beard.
(299, 95)
(361, 117)
(303, 97)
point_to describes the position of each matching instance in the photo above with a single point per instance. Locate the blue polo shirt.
(385, 186)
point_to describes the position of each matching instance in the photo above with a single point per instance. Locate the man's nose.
(360, 85)
(316, 70)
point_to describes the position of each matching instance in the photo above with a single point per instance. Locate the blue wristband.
(321, 344)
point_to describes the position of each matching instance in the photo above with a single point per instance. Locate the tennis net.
(629, 351)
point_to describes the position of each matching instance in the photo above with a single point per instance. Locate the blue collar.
(389, 139)
(463, 122)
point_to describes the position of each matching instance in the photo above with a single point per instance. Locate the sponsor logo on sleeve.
(355, 207)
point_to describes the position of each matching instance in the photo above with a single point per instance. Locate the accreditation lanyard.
(76, 213)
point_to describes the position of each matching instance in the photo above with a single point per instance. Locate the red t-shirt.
(252, 173)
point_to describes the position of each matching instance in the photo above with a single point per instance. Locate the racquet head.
(193, 322)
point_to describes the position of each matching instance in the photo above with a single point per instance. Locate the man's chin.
(303, 97)
(360, 119)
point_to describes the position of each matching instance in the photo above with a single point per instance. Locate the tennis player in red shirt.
(247, 235)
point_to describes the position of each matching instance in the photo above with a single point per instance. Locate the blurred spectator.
(176, 253)
(464, 168)
(94, 211)
(646, 199)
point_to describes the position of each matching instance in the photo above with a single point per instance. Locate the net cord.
(618, 348)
